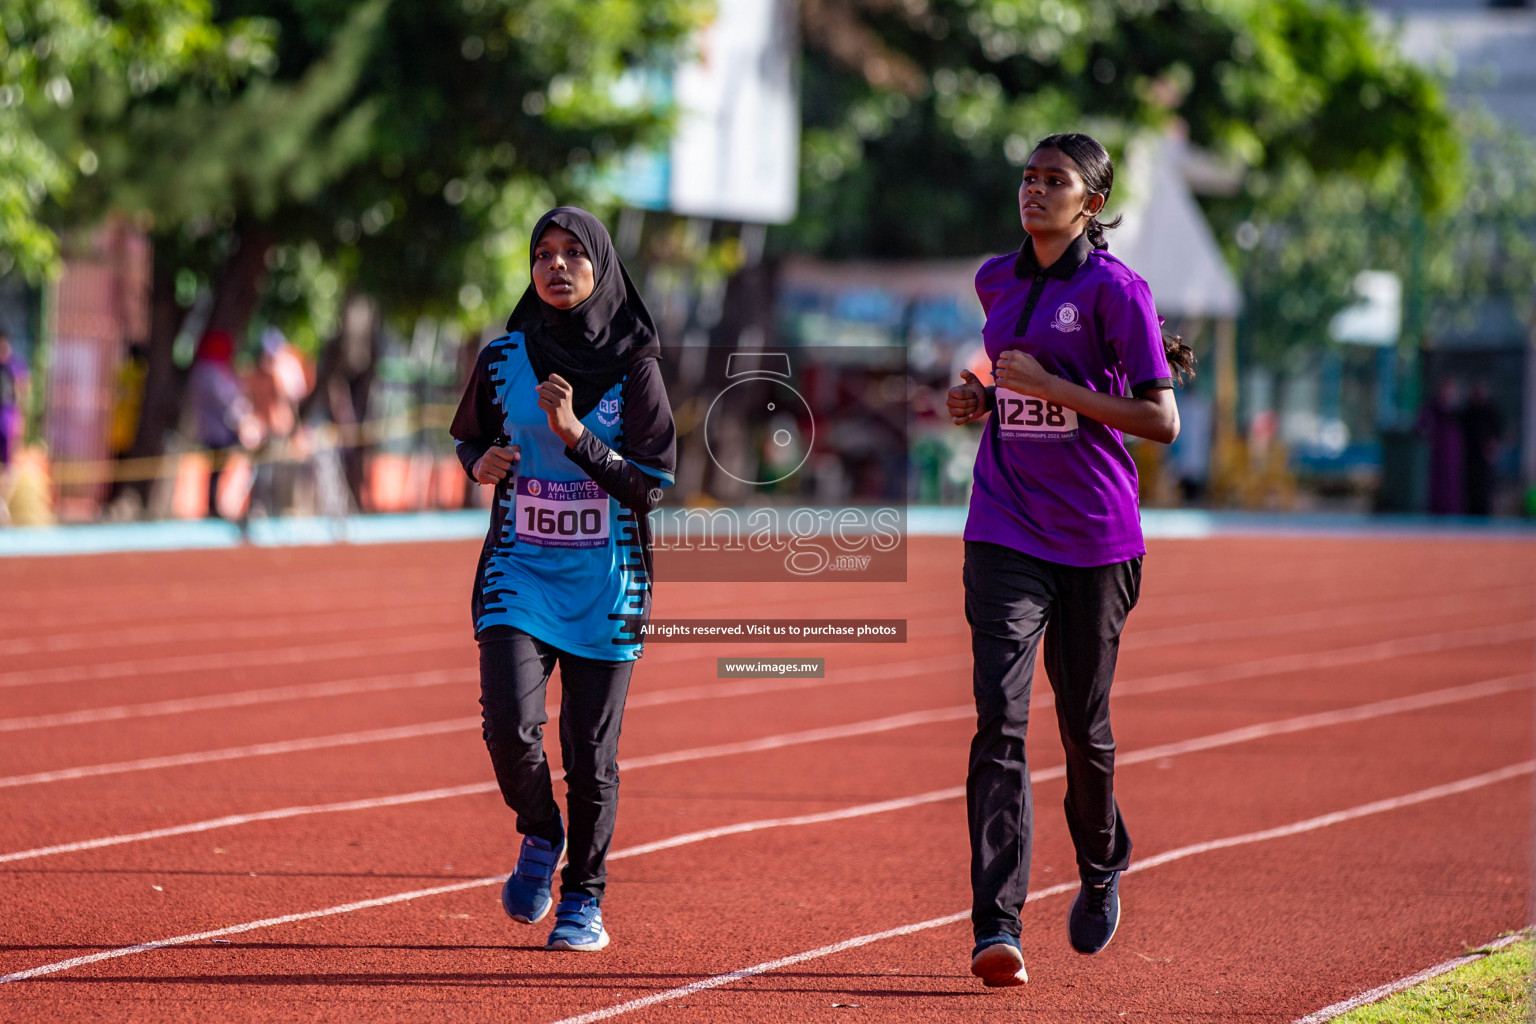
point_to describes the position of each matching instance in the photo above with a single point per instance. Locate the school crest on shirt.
(608, 411)
(1067, 318)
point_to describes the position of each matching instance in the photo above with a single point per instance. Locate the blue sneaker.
(578, 925)
(998, 962)
(1095, 913)
(526, 897)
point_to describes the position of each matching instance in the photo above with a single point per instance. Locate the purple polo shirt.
(1050, 482)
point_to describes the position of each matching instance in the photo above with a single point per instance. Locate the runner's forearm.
(469, 453)
(1154, 417)
(622, 479)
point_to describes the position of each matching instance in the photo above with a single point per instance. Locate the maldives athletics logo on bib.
(1067, 318)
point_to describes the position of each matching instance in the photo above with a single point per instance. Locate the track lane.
(1283, 692)
(878, 848)
(718, 797)
(1488, 638)
(705, 797)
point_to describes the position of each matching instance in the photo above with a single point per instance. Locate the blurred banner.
(735, 154)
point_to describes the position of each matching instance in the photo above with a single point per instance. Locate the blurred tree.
(393, 148)
(1299, 237)
(53, 50)
(399, 140)
(918, 113)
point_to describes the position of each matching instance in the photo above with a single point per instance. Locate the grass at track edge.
(1493, 990)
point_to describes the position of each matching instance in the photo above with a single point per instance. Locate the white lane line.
(719, 980)
(1296, 828)
(233, 659)
(288, 655)
(1341, 716)
(238, 629)
(1223, 673)
(1338, 657)
(867, 673)
(1395, 803)
(1376, 709)
(249, 926)
(876, 725)
(372, 684)
(346, 739)
(1334, 658)
(1320, 618)
(240, 699)
(231, 820)
(1381, 992)
(1264, 835)
(685, 839)
(192, 613)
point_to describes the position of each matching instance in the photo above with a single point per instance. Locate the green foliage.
(395, 147)
(1318, 84)
(918, 115)
(56, 53)
(1299, 236)
(1493, 990)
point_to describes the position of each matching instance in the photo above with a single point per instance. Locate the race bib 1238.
(1027, 418)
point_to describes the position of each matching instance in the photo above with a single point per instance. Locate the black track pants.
(514, 670)
(1011, 600)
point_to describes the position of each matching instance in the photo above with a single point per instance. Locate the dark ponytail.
(1098, 173)
(1181, 358)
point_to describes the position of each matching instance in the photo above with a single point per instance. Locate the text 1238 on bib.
(1027, 418)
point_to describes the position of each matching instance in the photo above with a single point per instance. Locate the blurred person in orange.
(275, 390)
(221, 412)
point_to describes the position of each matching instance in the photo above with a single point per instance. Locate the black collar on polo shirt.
(1025, 264)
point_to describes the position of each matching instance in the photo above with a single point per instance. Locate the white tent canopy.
(1166, 239)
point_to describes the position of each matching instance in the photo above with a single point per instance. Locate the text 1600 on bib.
(561, 513)
(1027, 418)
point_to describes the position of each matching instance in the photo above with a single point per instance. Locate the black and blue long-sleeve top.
(567, 558)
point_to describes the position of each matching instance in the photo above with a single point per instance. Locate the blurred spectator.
(295, 376)
(1191, 450)
(275, 386)
(1481, 431)
(1440, 424)
(221, 412)
(127, 404)
(13, 397)
(343, 383)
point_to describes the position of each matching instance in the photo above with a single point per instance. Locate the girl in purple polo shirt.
(1053, 543)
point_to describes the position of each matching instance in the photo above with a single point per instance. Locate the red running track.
(269, 757)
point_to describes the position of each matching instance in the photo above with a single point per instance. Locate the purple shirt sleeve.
(988, 285)
(1135, 335)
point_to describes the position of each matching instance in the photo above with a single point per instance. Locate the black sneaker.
(1095, 913)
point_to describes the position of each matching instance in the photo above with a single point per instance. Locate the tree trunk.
(161, 406)
(242, 281)
(238, 291)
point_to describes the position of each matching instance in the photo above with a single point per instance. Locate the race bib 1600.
(1027, 418)
(561, 513)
